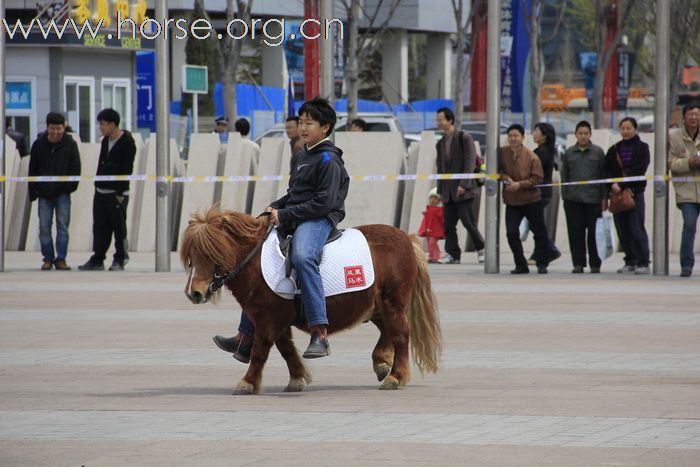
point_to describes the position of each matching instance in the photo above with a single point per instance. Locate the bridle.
(221, 280)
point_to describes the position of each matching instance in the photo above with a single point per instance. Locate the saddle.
(287, 283)
(285, 242)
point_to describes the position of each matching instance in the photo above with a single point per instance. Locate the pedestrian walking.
(432, 226)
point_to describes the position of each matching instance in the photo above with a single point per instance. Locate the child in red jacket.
(432, 226)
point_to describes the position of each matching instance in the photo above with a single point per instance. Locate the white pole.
(493, 104)
(660, 262)
(162, 146)
(2, 141)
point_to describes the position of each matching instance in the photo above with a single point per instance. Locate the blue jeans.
(309, 238)
(690, 212)
(61, 205)
(633, 234)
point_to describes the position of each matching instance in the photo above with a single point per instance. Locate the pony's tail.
(423, 321)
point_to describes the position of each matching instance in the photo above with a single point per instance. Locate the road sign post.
(195, 80)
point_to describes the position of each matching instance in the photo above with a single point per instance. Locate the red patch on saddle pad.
(354, 277)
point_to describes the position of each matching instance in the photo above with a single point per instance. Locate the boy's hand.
(273, 216)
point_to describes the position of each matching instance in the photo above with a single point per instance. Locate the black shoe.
(233, 345)
(520, 270)
(317, 347)
(579, 270)
(541, 269)
(556, 254)
(116, 266)
(595, 269)
(90, 266)
(686, 272)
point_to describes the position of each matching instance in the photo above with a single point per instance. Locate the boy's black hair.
(583, 124)
(293, 119)
(55, 118)
(321, 111)
(632, 120)
(690, 106)
(109, 115)
(515, 126)
(358, 122)
(242, 126)
(449, 114)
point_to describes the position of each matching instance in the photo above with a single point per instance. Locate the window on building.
(79, 106)
(116, 94)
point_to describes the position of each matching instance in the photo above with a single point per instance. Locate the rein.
(220, 281)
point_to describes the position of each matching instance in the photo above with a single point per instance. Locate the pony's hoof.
(382, 371)
(244, 388)
(389, 383)
(295, 385)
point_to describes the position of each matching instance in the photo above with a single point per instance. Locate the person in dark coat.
(545, 138)
(54, 153)
(456, 153)
(627, 158)
(111, 199)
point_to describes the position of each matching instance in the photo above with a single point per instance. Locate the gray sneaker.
(448, 259)
(627, 269)
(482, 257)
(116, 266)
(642, 270)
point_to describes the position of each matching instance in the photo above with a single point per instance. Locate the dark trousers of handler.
(534, 212)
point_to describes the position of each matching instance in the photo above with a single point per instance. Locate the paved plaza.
(119, 369)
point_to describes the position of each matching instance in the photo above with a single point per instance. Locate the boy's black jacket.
(317, 188)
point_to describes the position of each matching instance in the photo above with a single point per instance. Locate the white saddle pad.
(346, 265)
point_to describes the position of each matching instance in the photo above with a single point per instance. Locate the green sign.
(195, 79)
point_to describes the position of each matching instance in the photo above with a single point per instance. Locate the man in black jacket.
(456, 153)
(54, 153)
(111, 197)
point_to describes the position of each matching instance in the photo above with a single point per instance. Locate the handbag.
(623, 200)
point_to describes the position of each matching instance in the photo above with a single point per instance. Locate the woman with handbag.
(628, 158)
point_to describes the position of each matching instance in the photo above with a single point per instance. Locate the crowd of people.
(526, 178)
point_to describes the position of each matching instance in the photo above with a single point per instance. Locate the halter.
(220, 281)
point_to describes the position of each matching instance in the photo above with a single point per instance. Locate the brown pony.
(400, 302)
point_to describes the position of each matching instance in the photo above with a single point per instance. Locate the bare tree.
(462, 67)
(361, 45)
(228, 49)
(533, 22)
(603, 9)
(685, 31)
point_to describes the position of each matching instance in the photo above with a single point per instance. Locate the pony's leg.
(394, 316)
(299, 376)
(383, 354)
(252, 380)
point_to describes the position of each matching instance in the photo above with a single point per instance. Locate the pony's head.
(213, 243)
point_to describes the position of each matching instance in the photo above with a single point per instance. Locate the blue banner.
(146, 90)
(519, 54)
(18, 95)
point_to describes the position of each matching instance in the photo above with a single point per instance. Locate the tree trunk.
(352, 68)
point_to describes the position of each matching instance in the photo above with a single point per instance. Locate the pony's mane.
(209, 234)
